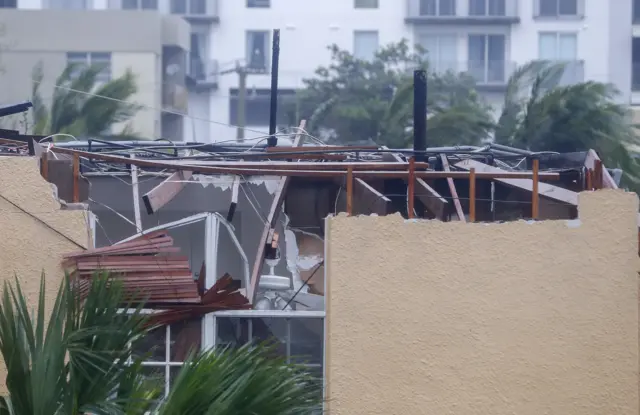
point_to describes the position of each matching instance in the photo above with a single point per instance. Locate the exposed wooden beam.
(472, 195)
(590, 163)
(136, 194)
(373, 200)
(349, 191)
(535, 197)
(272, 218)
(436, 204)
(411, 188)
(452, 189)
(235, 190)
(163, 193)
(545, 189)
(76, 179)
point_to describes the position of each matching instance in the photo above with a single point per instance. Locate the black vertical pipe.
(273, 115)
(420, 114)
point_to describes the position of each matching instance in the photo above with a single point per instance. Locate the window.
(82, 60)
(69, 4)
(8, 4)
(487, 7)
(442, 51)
(366, 4)
(365, 44)
(140, 4)
(198, 55)
(557, 8)
(558, 46)
(635, 62)
(254, 4)
(257, 52)
(189, 7)
(437, 7)
(257, 106)
(487, 58)
(636, 11)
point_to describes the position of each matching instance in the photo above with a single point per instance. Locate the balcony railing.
(202, 72)
(480, 11)
(497, 73)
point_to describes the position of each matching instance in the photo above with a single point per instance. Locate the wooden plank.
(589, 163)
(472, 195)
(294, 148)
(163, 193)
(411, 188)
(373, 200)
(452, 189)
(599, 175)
(135, 194)
(76, 178)
(545, 189)
(44, 166)
(436, 204)
(535, 197)
(272, 217)
(349, 191)
(235, 190)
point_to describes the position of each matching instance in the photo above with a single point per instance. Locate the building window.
(557, 8)
(487, 7)
(487, 62)
(442, 52)
(189, 7)
(140, 4)
(365, 44)
(366, 4)
(82, 60)
(437, 7)
(636, 11)
(257, 53)
(257, 106)
(69, 4)
(556, 46)
(635, 62)
(255, 4)
(8, 4)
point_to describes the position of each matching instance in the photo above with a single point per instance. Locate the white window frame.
(357, 33)
(438, 12)
(267, 49)
(436, 64)
(557, 35)
(189, 8)
(88, 59)
(139, 4)
(558, 14)
(487, 63)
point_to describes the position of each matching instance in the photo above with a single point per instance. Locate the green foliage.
(81, 106)
(353, 100)
(75, 361)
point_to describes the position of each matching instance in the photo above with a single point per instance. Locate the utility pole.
(241, 106)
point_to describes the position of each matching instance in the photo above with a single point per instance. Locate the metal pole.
(419, 114)
(242, 103)
(273, 115)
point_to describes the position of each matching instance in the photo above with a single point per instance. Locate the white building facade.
(487, 38)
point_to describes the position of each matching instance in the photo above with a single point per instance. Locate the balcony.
(468, 12)
(493, 76)
(196, 11)
(202, 74)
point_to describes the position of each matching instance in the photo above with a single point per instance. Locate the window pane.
(477, 7)
(232, 332)
(8, 4)
(448, 53)
(152, 347)
(156, 375)
(427, 7)
(568, 7)
(103, 60)
(477, 57)
(197, 7)
(258, 3)
(272, 331)
(365, 44)
(497, 7)
(496, 53)
(547, 46)
(548, 7)
(129, 4)
(68, 4)
(179, 6)
(307, 340)
(257, 44)
(567, 47)
(150, 4)
(185, 339)
(447, 8)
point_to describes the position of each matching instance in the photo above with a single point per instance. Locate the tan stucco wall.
(516, 318)
(27, 246)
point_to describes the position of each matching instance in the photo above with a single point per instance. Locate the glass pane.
(256, 49)
(232, 332)
(197, 7)
(497, 7)
(477, 7)
(448, 53)
(157, 376)
(427, 7)
(548, 7)
(365, 44)
(307, 340)
(179, 6)
(568, 7)
(272, 331)
(447, 8)
(151, 347)
(567, 47)
(173, 374)
(150, 4)
(547, 46)
(477, 58)
(185, 338)
(129, 4)
(366, 4)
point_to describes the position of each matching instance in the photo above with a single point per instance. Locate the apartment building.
(487, 38)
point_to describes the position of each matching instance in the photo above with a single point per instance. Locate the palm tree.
(80, 105)
(541, 114)
(76, 361)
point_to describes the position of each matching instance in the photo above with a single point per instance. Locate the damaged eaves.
(309, 182)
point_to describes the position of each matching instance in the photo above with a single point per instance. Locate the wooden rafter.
(452, 188)
(367, 196)
(436, 204)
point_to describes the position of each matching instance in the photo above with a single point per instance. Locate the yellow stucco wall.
(28, 246)
(517, 318)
